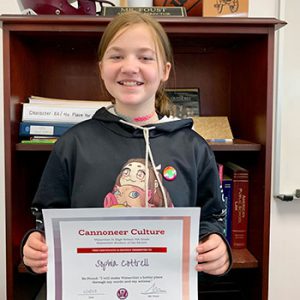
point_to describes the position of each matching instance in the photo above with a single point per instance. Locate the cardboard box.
(225, 8)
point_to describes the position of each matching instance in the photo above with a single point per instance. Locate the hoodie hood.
(121, 127)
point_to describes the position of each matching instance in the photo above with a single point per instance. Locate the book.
(27, 129)
(227, 194)
(214, 128)
(220, 171)
(186, 102)
(39, 140)
(56, 113)
(59, 101)
(239, 207)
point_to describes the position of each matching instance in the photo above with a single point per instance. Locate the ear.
(166, 71)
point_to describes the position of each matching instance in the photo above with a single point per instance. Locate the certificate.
(119, 253)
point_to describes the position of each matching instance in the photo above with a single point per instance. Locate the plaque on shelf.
(186, 102)
(155, 11)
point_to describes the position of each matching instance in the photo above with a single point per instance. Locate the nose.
(130, 65)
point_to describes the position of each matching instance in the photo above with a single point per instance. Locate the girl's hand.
(212, 257)
(35, 253)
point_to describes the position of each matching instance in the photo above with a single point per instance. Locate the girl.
(135, 60)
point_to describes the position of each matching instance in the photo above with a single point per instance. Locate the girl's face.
(131, 68)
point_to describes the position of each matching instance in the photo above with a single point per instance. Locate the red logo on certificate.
(122, 294)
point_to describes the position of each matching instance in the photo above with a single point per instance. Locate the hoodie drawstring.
(149, 155)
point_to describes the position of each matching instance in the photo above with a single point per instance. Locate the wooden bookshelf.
(242, 258)
(230, 60)
(236, 145)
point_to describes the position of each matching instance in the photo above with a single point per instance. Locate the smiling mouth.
(130, 83)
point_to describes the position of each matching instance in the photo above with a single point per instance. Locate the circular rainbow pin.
(169, 173)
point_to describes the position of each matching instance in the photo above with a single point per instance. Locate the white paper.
(136, 253)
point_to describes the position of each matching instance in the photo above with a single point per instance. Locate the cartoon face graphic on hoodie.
(131, 185)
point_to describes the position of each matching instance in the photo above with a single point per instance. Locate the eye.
(134, 194)
(115, 57)
(140, 175)
(126, 172)
(117, 192)
(146, 58)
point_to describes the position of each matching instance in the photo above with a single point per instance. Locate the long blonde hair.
(162, 102)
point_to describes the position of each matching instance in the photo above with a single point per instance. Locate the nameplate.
(157, 11)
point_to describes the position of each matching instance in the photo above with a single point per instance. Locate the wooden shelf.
(242, 259)
(175, 23)
(33, 147)
(236, 145)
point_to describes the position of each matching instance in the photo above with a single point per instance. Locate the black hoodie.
(90, 164)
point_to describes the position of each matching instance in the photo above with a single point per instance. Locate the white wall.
(265, 8)
(285, 221)
(285, 217)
